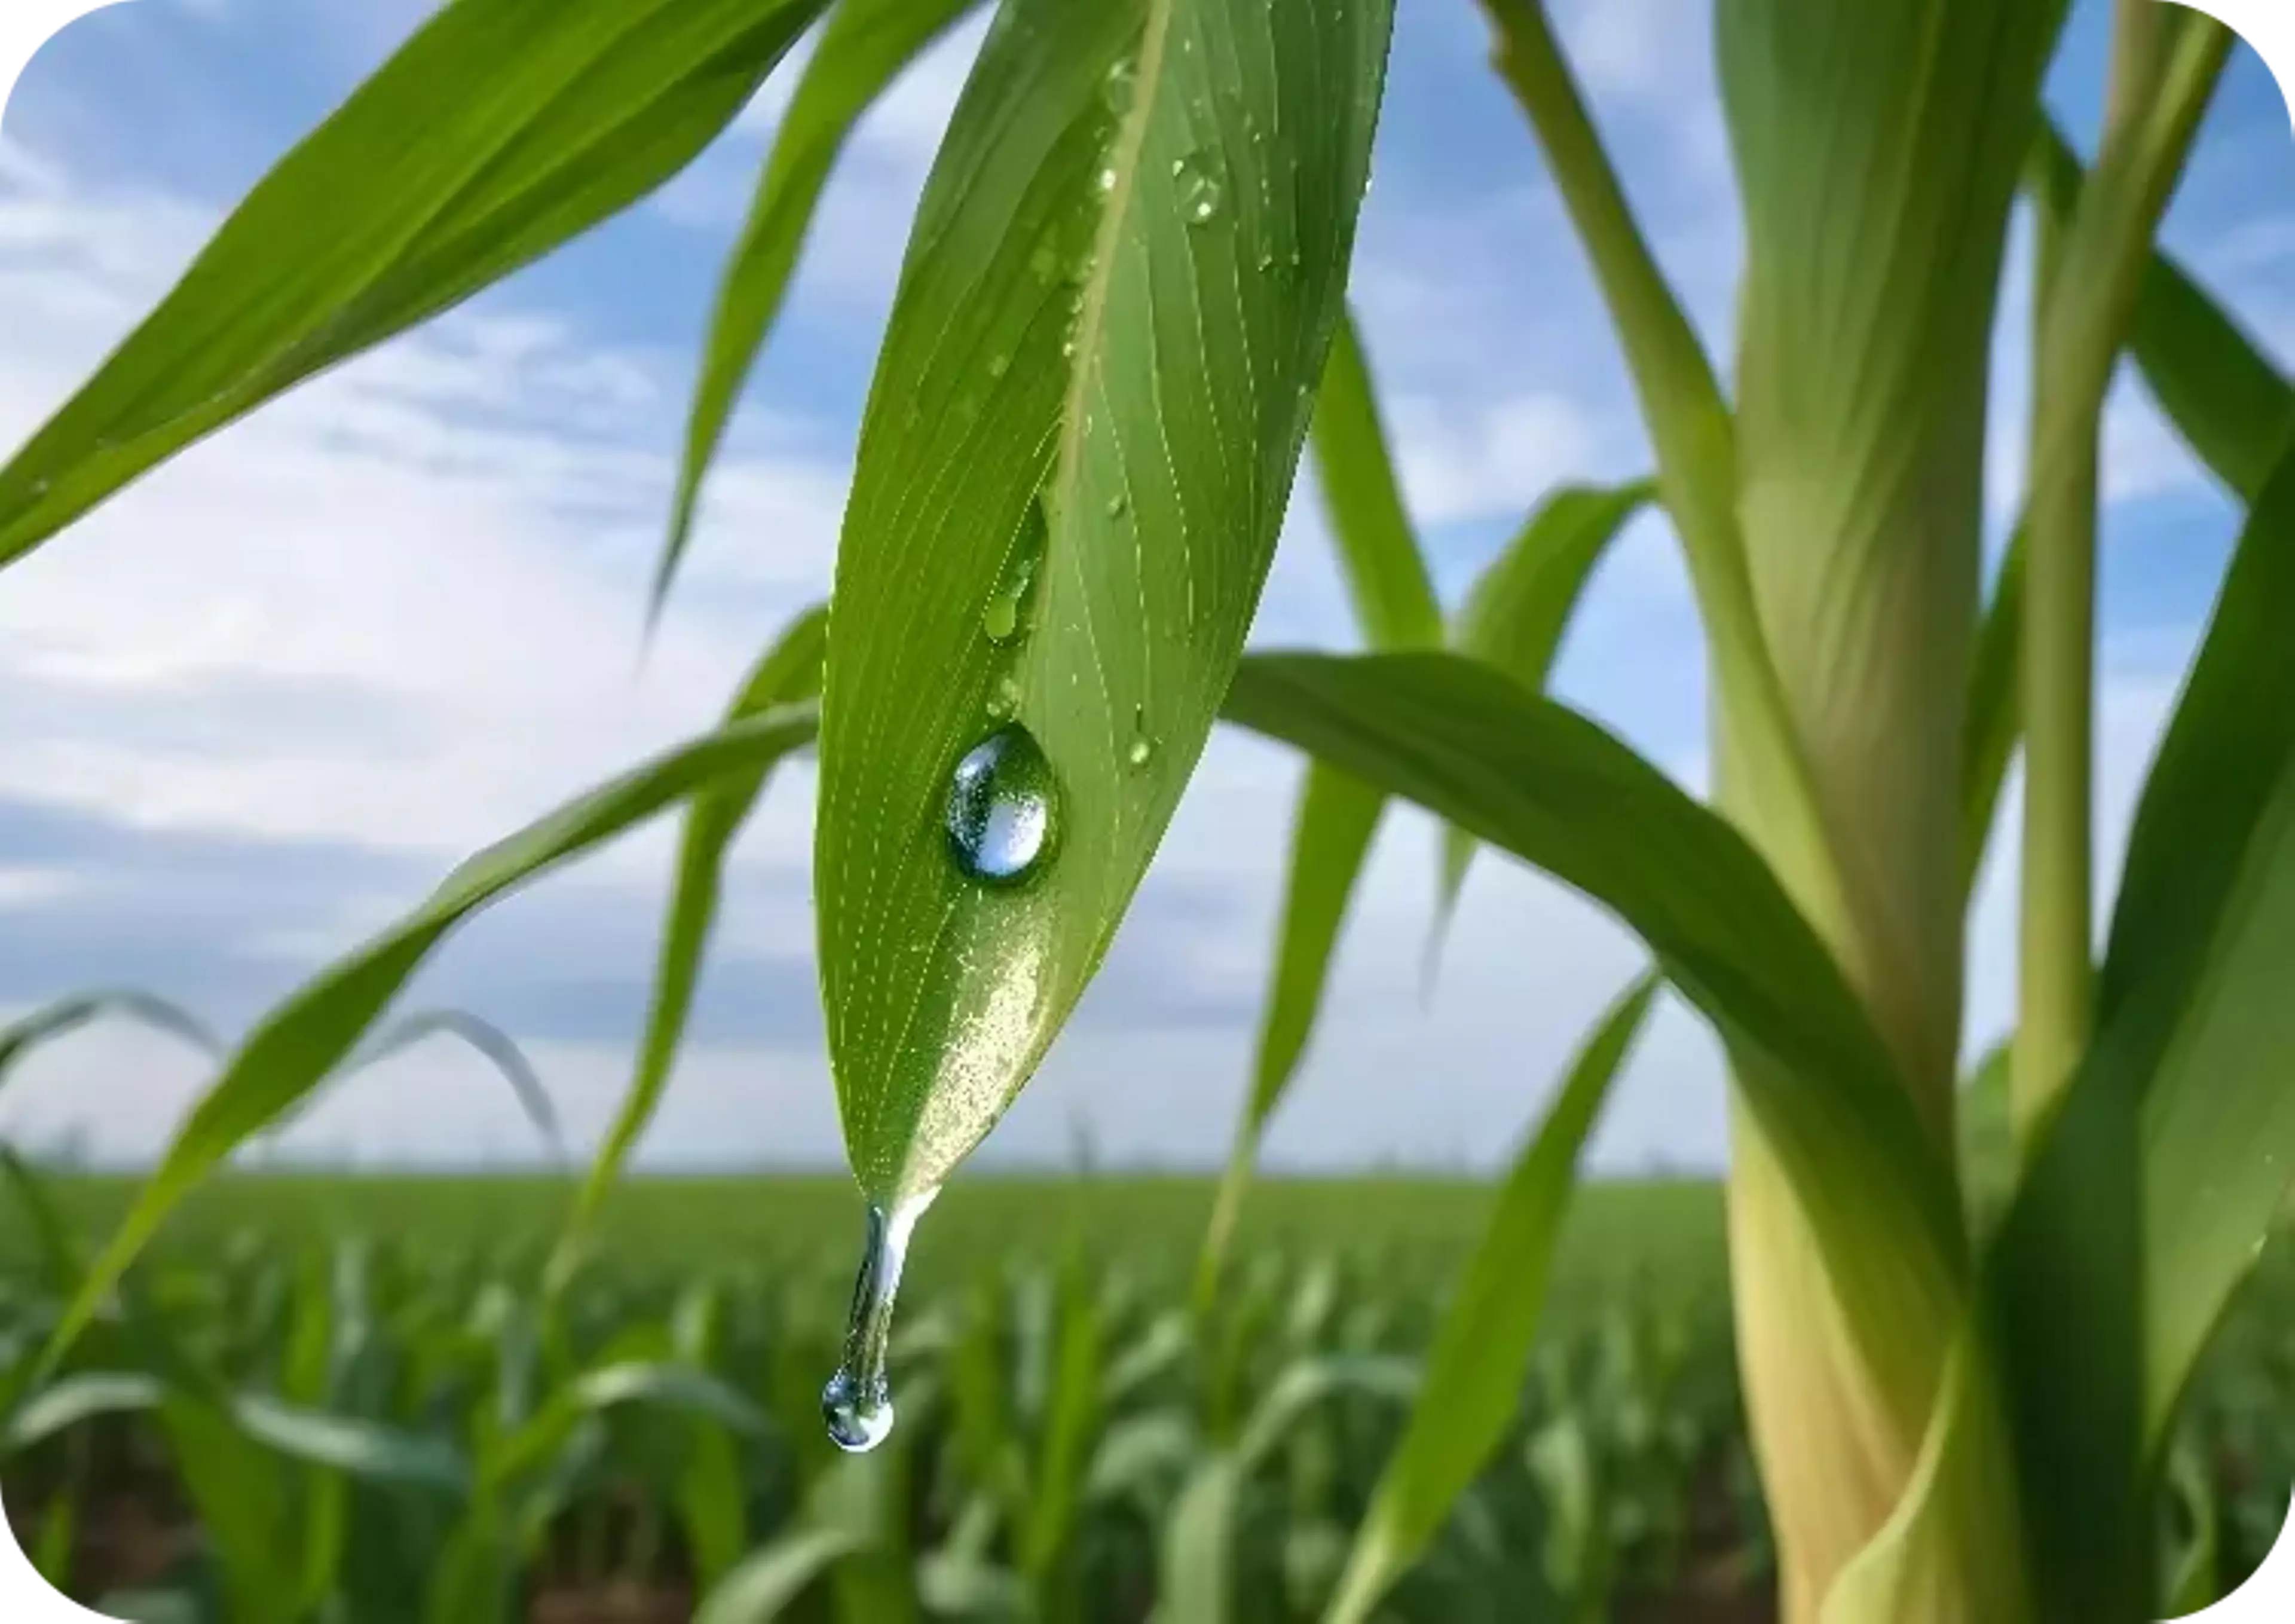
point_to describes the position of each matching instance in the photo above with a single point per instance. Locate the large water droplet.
(857, 1404)
(1002, 806)
(1200, 191)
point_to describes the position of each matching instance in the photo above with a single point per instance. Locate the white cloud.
(1497, 462)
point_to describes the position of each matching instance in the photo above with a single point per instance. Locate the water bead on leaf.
(1200, 191)
(1002, 807)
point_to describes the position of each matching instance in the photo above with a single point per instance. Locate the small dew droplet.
(998, 366)
(1200, 191)
(1118, 505)
(1001, 618)
(1004, 698)
(1107, 178)
(857, 1403)
(1120, 86)
(1002, 808)
(1143, 746)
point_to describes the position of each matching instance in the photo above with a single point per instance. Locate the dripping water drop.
(857, 1404)
(1002, 808)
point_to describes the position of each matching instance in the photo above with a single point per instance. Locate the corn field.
(1975, 1360)
(1075, 1443)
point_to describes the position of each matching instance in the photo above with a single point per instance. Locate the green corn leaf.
(771, 1581)
(68, 1014)
(1117, 301)
(499, 131)
(2152, 1186)
(1515, 616)
(52, 1550)
(63, 1405)
(1533, 777)
(788, 673)
(2229, 402)
(243, 1501)
(2225, 397)
(1198, 1559)
(2198, 944)
(1394, 601)
(364, 1449)
(1474, 1370)
(489, 1041)
(295, 1048)
(863, 48)
(1338, 819)
(1395, 607)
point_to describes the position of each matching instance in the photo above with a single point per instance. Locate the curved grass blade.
(63, 1405)
(294, 1048)
(2225, 397)
(863, 48)
(1116, 303)
(2231, 406)
(1338, 819)
(1386, 577)
(2151, 1184)
(787, 674)
(488, 1041)
(1544, 783)
(361, 1448)
(68, 1014)
(501, 129)
(1514, 618)
(1472, 1384)
(1197, 1561)
(1395, 607)
(770, 1583)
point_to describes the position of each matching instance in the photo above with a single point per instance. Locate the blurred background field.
(373, 1375)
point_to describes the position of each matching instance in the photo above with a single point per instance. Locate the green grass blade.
(1544, 783)
(2154, 1182)
(71, 1012)
(771, 1582)
(2198, 944)
(1395, 607)
(301, 1041)
(1473, 1384)
(1394, 601)
(364, 1449)
(2229, 402)
(2225, 397)
(1116, 306)
(1338, 817)
(787, 674)
(490, 1042)
(62, 1405)
(1197, 1562)
(1515, 616)
(864, 47)
(499, 131)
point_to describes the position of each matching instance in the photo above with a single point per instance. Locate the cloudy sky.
(256, 706)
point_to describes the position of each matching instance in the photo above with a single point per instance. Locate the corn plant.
(1123, 296)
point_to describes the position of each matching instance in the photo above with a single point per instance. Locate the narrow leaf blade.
(866, 45)
(500, 130)
(294, 1048)
(1117, 301)
(1472, 1384)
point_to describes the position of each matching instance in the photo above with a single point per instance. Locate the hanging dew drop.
(857, 1404)
(1003, 806)
(1143, 746)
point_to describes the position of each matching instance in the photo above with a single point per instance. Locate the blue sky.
(258, 705)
